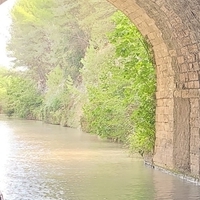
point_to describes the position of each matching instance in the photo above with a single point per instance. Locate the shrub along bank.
(99, 77)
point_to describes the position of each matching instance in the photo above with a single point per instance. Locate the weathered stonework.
(173, 29)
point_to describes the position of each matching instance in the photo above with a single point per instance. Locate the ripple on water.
(45, 162)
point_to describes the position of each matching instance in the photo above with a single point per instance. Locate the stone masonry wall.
(173, 29)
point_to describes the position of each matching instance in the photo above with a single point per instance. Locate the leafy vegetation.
(3, 85)
(121, 99)
(47, 37)
(20, 95)
(77, 71)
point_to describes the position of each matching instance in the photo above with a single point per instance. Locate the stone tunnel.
(173, 29)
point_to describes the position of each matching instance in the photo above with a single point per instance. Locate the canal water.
(44, 162)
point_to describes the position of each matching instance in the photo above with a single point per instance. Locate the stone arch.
(173, 29)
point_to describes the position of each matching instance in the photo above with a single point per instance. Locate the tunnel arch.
(173, 29)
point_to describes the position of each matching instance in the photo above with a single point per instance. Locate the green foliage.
(106, 112)
(3, 85)
(45, 34)
(23, 97)
(133, 49)
(20, 96)
(59, 99)
(121, 102)
(50, 38)
(53, 97)
(55, 41)
(32, 12)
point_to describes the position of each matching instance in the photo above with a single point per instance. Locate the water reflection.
(5, 132)
(172, 188)
(45, 162)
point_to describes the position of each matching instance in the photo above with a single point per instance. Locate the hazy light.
(5, 22)
(5, 132)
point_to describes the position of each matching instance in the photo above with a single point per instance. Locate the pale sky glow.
(5, 22)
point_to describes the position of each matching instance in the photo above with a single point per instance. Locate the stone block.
(194, 104)
(193, 76)
(193, 66)
(172, 53)
(195, 131)
(190, 84)
(196, 84)
(184, 67)
(181, 59)
(193, 48)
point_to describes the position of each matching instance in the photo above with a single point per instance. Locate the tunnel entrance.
(172, 27)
